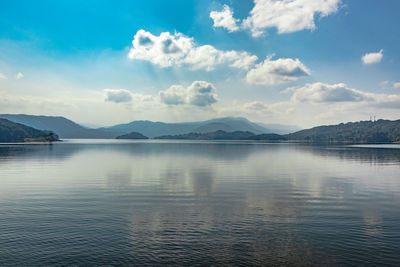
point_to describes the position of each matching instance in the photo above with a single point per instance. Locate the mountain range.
(154, 129)
(229, 128)
(66, 128)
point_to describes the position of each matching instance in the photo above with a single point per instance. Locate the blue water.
(114, 202)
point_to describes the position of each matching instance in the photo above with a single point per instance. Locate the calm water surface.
(105, 202)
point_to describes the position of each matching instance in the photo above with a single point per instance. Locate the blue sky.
(76, 59)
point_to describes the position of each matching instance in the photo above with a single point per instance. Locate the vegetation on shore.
(381, 131)
(16, 132)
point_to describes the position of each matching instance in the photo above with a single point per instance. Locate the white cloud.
(118, 95)
(224, 19)
(164, 50)
(199, 93)
(390, 85)
(207, 57)
(174, 95)
(256, 106)
(255, 110)
(272, 72)
(19, 76)
(2, 76)
(320, 92)
(168, 49)
(285, 15)
(371, 58)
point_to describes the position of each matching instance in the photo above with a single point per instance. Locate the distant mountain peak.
(62, 126)
(153, 129)
(66, 128)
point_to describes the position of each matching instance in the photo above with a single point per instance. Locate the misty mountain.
(66, 128)
(213, 127)
(241, 124)
(16, 132)
(280, 128)
(153, 129)
(217, 135)
(63, 127)
(149, 128)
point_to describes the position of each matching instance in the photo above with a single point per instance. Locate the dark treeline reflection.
(363, 154)
(156, 203)
(216, 150)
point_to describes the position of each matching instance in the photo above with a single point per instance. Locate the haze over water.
(107, 202)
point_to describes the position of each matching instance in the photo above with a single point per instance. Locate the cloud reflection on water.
(218, 203)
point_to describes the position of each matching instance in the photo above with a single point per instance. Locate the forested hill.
(217, 135)
(64, 127)
(132, 135)
(15, 132)
(381, 131)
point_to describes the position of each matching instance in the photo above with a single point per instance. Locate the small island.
(132, 135)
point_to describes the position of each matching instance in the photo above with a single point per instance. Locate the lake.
(115, 202)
